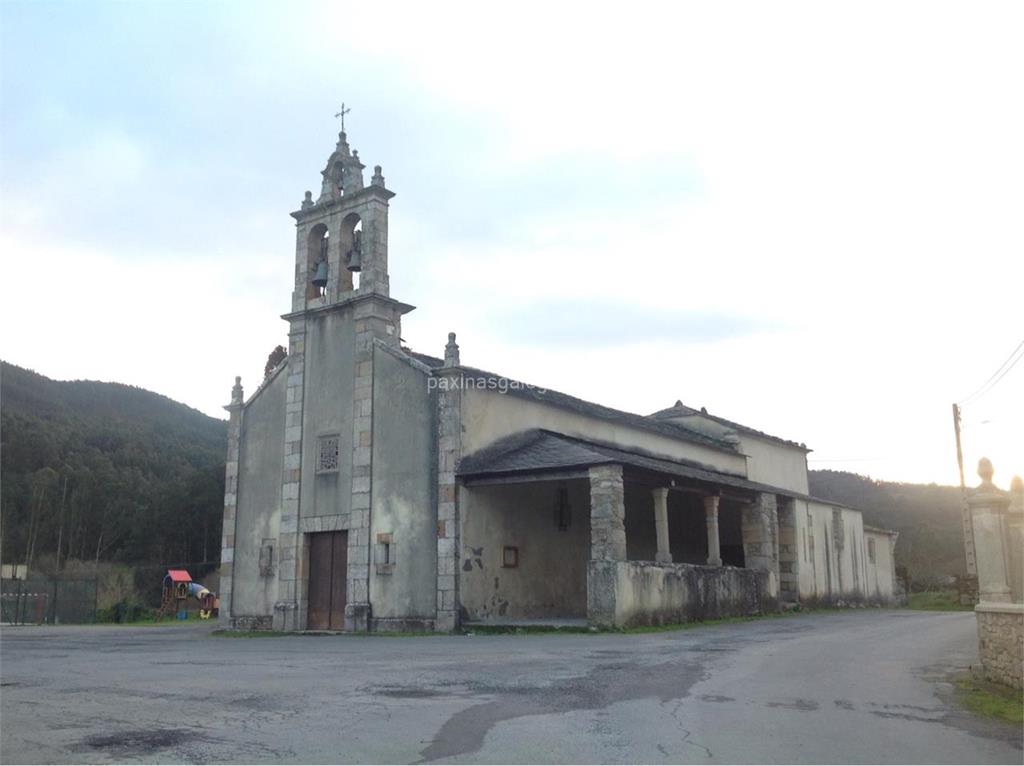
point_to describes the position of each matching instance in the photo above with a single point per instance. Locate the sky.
(806, 217)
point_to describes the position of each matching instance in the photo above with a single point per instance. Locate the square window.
(509, 556)
(327, 454)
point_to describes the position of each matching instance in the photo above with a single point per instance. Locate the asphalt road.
(852, 687)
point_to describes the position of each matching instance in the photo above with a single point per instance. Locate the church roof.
(565, 401)
(680, 410)
(592, 409)
(538, 451)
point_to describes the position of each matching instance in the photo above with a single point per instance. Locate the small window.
(509, 556)
(327, 454)
(267, 558)
(384, 553)
(871, 550)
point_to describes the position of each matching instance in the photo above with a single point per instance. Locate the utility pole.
(965, 511)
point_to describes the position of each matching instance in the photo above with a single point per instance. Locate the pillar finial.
(451, 352)
(985, 471)
(236, 390)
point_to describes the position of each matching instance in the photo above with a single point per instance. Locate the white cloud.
(847, 173)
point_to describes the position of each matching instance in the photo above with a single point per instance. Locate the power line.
(998, 375)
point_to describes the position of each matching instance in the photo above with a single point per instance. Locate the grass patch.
(228, 633)
(938, 601)
(223, 633)
(989, 699)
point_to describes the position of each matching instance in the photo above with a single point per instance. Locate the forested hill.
(138, 477)
(927, 516)
(106, 469)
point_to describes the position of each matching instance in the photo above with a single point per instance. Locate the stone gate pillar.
(1000, 618)
(988, 508)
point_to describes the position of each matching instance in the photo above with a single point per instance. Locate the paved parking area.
(852, 687)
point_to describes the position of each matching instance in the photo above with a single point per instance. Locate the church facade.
(371, 487)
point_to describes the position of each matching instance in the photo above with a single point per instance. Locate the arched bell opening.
(317, 270)
(352, 249)
(338, 177)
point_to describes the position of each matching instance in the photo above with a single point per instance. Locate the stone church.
(371, 487)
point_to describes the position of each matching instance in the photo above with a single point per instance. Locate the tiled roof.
(591, 409)
(538, 451)
(679, 410)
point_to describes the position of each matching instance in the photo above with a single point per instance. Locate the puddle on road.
(140, 742)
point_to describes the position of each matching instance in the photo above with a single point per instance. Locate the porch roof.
(538, 451)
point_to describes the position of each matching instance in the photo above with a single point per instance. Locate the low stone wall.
(1001, 642)
(627, 593)
(252, 622)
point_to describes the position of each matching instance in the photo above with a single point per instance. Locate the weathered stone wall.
(252, 622)
(881, 573)
(261, 461)
(402, 503)
(833, 556)
(550, 580)
(645, 593)
(1001, 642)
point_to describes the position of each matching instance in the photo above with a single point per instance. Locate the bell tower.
(344, 233)
(341, 314)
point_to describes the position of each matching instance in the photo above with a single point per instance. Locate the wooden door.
(328, 565)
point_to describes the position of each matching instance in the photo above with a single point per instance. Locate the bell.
(355, 260)
(320, 280)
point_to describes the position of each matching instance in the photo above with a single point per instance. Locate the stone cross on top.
(342, 114)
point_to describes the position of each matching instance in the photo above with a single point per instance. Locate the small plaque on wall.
(509, 556)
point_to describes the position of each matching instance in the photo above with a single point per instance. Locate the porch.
(556, 528)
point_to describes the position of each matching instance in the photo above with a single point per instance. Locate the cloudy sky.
(806, 217)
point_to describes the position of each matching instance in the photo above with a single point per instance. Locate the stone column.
(789, 551)
(664, 554)
(988, 506)
(607, 542)
(711, 518)
(760, 530)
(607, 514)
(449, 451)
(227, 545)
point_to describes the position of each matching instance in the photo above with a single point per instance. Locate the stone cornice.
(352, 299)
(344, 201)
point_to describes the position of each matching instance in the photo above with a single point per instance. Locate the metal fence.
(110, 593)
(51, 600)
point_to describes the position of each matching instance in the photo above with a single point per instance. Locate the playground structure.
(178, 587)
